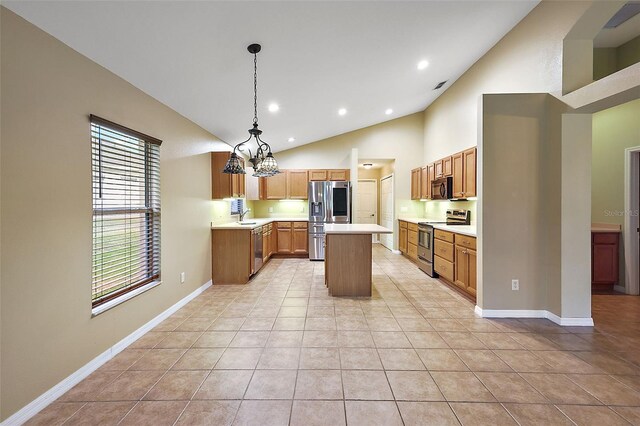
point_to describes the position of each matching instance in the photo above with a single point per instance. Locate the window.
(126, 212)
(237, 206)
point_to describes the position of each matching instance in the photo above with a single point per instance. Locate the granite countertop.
(356, 228)
(258, 222)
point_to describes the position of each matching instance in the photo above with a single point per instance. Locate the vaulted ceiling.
(317, 57)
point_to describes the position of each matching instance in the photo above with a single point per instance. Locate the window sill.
(115, 302)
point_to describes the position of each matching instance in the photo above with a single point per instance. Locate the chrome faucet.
(243, 214)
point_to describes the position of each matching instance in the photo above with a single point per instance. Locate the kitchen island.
(347, 261)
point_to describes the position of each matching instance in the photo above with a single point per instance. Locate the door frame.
(376, 237)
(393, 209)
(631, 220)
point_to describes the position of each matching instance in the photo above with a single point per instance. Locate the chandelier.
(264, 164)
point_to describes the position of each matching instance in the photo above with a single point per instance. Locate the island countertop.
(355, 229)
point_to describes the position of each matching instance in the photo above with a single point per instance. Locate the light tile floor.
(281, 351)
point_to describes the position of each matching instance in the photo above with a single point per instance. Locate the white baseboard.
(524, 313)
(41, 402)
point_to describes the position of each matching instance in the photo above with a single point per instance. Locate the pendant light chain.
(255, 88)
(264, 164)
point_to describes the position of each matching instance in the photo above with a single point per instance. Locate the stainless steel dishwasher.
(257, 249)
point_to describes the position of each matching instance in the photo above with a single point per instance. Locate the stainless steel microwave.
(442, 189)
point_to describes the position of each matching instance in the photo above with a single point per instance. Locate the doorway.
(367, 210)
(386, 209)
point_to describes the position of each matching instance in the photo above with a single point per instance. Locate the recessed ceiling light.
(423, 64)
(367, 165)
(291, 140)
(388, 111)
(274, 107)
(342, 111)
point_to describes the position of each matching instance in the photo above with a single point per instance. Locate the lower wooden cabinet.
(285, 237)
(455, 259)
(402, 239)
(412, 251)
(292, 238)
(300, 238)
(465, 269)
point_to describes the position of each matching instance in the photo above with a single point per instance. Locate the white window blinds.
(126, 210)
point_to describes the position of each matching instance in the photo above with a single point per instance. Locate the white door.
(386, 210)
(367, 202)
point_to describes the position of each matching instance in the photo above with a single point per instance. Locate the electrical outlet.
(301, 209)
(515, 285)
(182, 277)
(270, 209)
(404, 209)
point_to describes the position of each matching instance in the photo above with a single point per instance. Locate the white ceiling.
(316, 56)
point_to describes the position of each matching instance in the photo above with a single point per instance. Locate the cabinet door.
(220, 182)
(273, 240)
(297, 181)
(458, 175)
(337, 175)
(604, 263)
(238, 183)
(403, 240)
(432, 177)
(447, 170)
(469, 159)
(472, 272)
(300, 241)
(317, 175)
(438, 169)
(415, 184)
(285, 244)
(461, 267)
(425, 186)
(265, 246)
(276, 186)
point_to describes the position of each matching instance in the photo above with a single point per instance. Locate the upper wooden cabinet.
(275, 187)
(461, 166)
(425, 183)
(415, 183)
(297, 182)
(224, 185)
(293, 184)
(464, 173)
(338, 175)
(317, 175)
(469, 159)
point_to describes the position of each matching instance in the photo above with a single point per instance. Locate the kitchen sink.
(247, 223)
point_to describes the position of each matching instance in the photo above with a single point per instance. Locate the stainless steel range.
(329, 202)
(426, 237)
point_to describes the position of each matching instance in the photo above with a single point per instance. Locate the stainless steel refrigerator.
(329, 202)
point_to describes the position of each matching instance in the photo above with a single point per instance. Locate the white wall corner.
(41, 402)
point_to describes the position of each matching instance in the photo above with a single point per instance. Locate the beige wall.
(527, 60)
(608, 60)
(48, 91)
(614, 130)
(400, 139)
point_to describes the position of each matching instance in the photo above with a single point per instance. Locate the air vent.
(439, 85)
